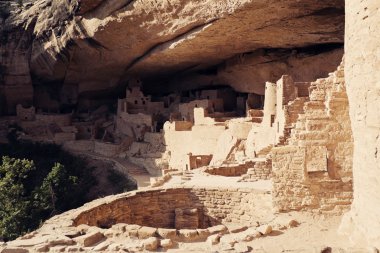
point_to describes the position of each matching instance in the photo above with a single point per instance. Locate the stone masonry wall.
(314, 172)
(228, 170)
(362, 57)
(262, 170)
(156, 208)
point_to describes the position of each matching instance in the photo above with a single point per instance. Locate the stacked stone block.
(314, 172)
(262, 170)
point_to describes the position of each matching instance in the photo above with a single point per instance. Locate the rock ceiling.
(99, 44)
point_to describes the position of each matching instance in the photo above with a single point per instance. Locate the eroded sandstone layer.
(363, 76)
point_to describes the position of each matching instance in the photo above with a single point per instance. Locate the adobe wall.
(197, 161)
(286, 92)
(156, 208)
(239, 128)
(201, 117)
(362, 57)
(201, 140)
(187, 109)
(269, 103)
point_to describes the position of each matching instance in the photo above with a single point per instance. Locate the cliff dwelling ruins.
(247, 126)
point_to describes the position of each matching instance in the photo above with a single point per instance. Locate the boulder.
(265, 229)
(151, 243)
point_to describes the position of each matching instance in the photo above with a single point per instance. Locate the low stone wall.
(228, 171)
(156, 208)
(261, 171)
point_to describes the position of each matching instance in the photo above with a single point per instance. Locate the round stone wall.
(181, 208)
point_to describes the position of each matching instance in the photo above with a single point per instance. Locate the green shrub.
(15, 201)
(39, 181)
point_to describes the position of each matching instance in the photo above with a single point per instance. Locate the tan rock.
(236, 228)
(113, 247)
(151, 243)
(73, 249)
(132, 230)
(229, 240)
(91, 239)
(293, 223)
(146, 232)
(42, 248)
(14, 250)
(188, 235)
(241, 248)
(203, 233)
(264, 229)
(83, 228)
(60, 240)
(101, 246)
(120, 227)
(248, 235)
(217, 229)
(28, 242)
(167, 243)
(213, 240)
(167, 233)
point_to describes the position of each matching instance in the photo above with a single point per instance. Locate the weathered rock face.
(96, 45)
(363, 79)
(249, 72)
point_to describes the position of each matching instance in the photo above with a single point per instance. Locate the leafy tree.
(55, 186)
(15, 203)
(26, 199)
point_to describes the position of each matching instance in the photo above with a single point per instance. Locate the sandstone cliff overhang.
(102, 43)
